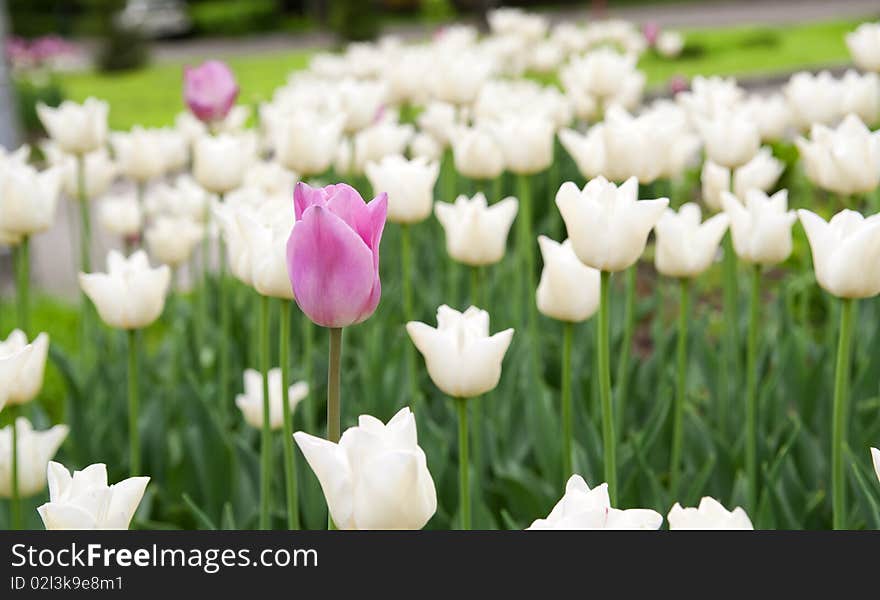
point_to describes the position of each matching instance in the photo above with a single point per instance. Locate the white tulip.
(589, 153)
(568, 289)
(360, 102)
(220, 162)
(710, 97)
(27, 380)
(770, 113)
(476, 153)
(171, 240)
(761, 229)
(608, 226)
(813, 99)
(526, 143)
(100, 170)
(439, 119)
(270, 177)
(583, 508)
(13, 362)
(230, 217)
(140, 154)
(864, 46)
(409, 185)
(686, 247)
(76, 128)
(130, 295)
(846, 252)
(760, 173)
(875, 458)
(463, 360)
(730, 140)
(35, 450)
(517, 22)
(184, 198)
(861, 95)
(29, 198)
(85, 501)
(711, 514)
(121, 215)
(714, 179)
(476, 233)
(378, 141)
(264, 246)
(606, 75)
(376, 477)
(457, 76)
(307, 143)
(251, 402)
(423, 145)
(845, 160)
(670, 43)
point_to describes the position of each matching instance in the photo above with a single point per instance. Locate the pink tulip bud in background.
(333, 253)
(209, 90)
(651, 31)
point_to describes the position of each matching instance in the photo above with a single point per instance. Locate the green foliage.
(234, 17)
(31, 90)
(355, 20)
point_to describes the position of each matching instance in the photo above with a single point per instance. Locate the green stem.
(85, 237)
(751, 450)
(629, 320)
(334, 424)
(526, 247)
(22, 275)
(464, 493)
(841, 391)
(287, 440)
(604, 373)
(497, 189)
(408, 313)
(308, 370)
(15, 499)
(449, 175)
(567, 448)
(223, 346)
(266, 439)
(729, 344)
(476, 288)
(680, 387)
(134, 436)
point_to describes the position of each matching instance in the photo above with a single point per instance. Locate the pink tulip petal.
(210, 90)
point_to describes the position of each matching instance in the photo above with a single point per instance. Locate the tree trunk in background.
(10, 135)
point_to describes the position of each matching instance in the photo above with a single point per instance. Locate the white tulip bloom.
(761, 228)
(264, 246)
(526, 143)
(605, 75)
(130, 295)
(141, 154)
(875, 458)
(846, 252)
(229, 217)
(270, 177)
(710, 97)
(476, 233)
(29, 198)
(711, 514)
(378, 141)
(13, 362)
(517, 22)
(376, 477)
(409, 185)
(423, 145)
(171, 240)
(760, 173)
(35, 450)
(85, 501)
(813, 99)
(121, 215)
(730, 140)
(770, 113)
(685, 246)
(457, 76)
(714, 179)
(307, 143)
(608, 225)
(439, 119)
(100, 170)
(568, 289)
(583, 508)
(251, 402)
(25, 382)
(861, 95)
(463, 360)
(864, 46)
(220, 162)
(670, 43)
(76, 128)
(184, 198)
(476, 153)
(845, 160)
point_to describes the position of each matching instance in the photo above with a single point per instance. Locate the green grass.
(152, 96)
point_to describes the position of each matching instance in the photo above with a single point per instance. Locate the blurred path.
(679, 14)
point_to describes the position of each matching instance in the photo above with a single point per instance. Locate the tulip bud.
(670, 44)
(846, 252)
(607, 225)
(35, 450)
(121, 215)
(26, 380)
(378, 141)
(251, 402)
(463, 360)
(526, 143)
(130, 295)
(307, 143)
(761, 228)
(709, 515)
(476, 153)
(376, 477)
(141, 154)
(569, 289)
(13, 361)
(423, 145)
(219, 162)
(209, 90)
(171, 240)
(730, 139)
(333, 253)
(85, 501)
(265, 240)
(715, 179)
(438, 119)
(29, 198)
(864, 46)
(476, 233)
(685, 247)
(771, 114)
(76, 128)
(409, 185)
(583, 508)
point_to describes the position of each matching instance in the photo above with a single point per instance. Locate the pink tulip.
(210, 90)
(651, 31)
(333, 253)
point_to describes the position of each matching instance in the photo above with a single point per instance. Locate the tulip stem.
(526, 242)
(476, 288)
(406, 282)
(729, 344)
(751, 450)
(604, 373)
(287, 445)
(266, 438)
(134, 439)
(841, 393)
(308, 369)
(223, 346)
(629, 320)
(22, 274)
(85, 258)
(567, 451)
(449, 175)
(680, 386)
(15, 499)
(497, 188)
(334, 425)
(464, 492)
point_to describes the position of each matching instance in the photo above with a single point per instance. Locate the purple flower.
(210, 90)
(333, 253)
